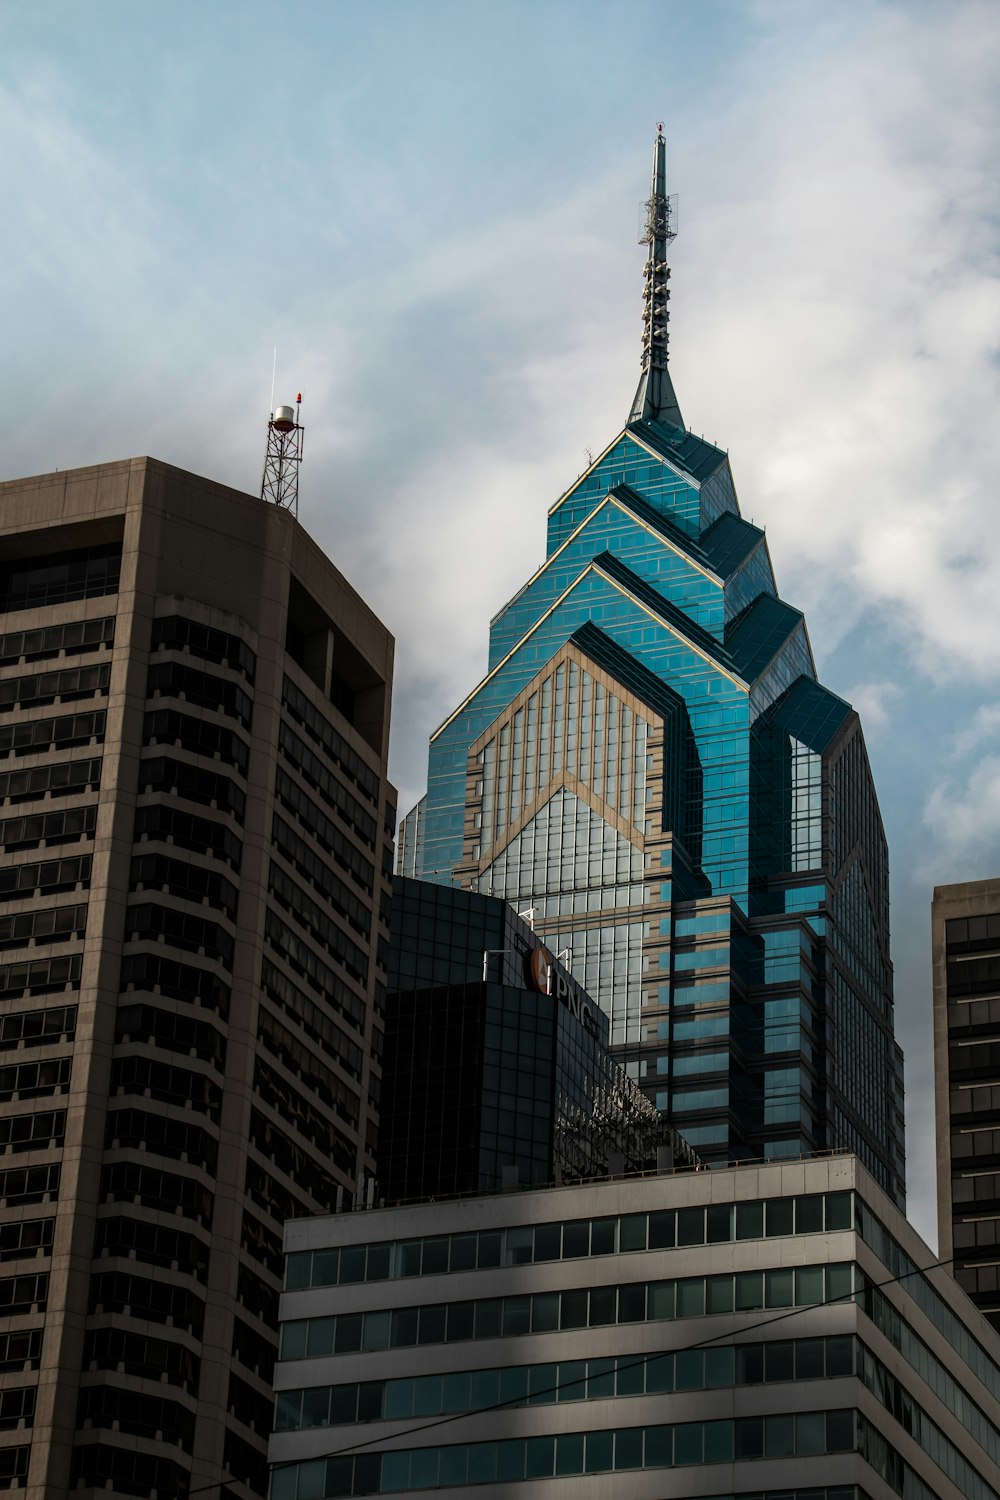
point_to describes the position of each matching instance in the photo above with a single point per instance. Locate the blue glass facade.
(651, 763)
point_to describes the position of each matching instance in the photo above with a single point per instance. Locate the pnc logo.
(543, 976)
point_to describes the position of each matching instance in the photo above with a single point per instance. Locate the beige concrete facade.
(216, 1067)
(909, 1391)
(965, 957)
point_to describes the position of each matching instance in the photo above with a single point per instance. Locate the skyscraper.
(651, 763)
(197, 831)
(965, 946)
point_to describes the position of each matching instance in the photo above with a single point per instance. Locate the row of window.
(49, 828)
(151, 922)
(56, 640)
(299, 1058)
(317, 871)
(814, 1213)
(512, 1386)
(199, 736)
(311, 1123)
(161, 773)
(34, 1028)
(22, 1185)
(21, 1350)
(171, 679)
(42, 976)
(186, 881)
(314, 1022)
(571, 1453)
(291, 1160)
(167, 1083)
(59, 779)
(261, 1243)
(172, 1031)
(35, 736)
(32, 1132)
(187, 831)
(46, 876)
(23, 1294)
(218, 646)
(324, 831)
(143, 1357)
(155, 1245)
(319, 728)
(290, 895)
(34, 1080)
(168, 976)
(131, 1411)
(57, 577)
(132, 1182)
(300, 957)
(274, 1197)
(157, 1301)
(547, 1312)
(49, 924)
(128, 1471)
(23, 1238)
(45, 687)
(138, 1129)
(332, 790)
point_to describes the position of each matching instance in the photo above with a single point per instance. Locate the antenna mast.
(280, 484)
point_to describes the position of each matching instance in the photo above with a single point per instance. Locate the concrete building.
(651, 762)
(758, 1332)
(965, 949)
(497, 1067)
(197, 836)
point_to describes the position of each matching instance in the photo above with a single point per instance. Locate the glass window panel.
(457, 1391)
(316, 1406)
(660, 1300)
(603, 1234)
(779, 1360)
(485, 1388)
(573, 1310)
(399, 1398)
(461, 1319)
(573, 1380)
(435, 1257)
(424, 1468)
(808, 1285)
(749, 1437)
(662, 1231)
(632, 1232)
(548, 1239)
(839, 1431)
(395, 1471)
(749, 1364)
(600, 1379)
(839, 1211)
(432, 1324)
(320, 1335)
(599, 1452)
(779, 1436)
(427, 1396)
(809, 1359)
(839, 1357)
(689, 1370)
(349, 1330)
(719, 1365)
(749, 1221)
(691, 1226)
(539, 1457)
(718, 1294)
(778, 1288)
(809, 1214)
(454, 1464)
(513, 1385)
(749, 1290)
(376, 1331)
(719, 1223)
(490, 1245)
(510, 1461)
(630, 1379)
(691, 1297)
(603, 1305)
(488, 1319)
(779, 1217)
(293, 1339)
(343, 1403)
(408, 1258)
(839, 1283)
(659, 1447)
(519, 1246)
(335, 1477)
(576, 1239)
(628, 1448)
(810, 1432)
(463, 1252)
(569, 1453)
(718, 1442)
(516, 1315)
(689, 1443)
(379, 1260)
(544, 1312)
(632, 1303)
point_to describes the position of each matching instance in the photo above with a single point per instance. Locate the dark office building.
(196, 833)
(965, 946)
(497, 1069)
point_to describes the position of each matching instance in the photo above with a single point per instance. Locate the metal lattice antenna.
(655, 397)
(280, 484)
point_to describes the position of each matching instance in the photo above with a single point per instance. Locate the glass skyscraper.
(651, 765)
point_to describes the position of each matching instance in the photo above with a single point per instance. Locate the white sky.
(431, 207)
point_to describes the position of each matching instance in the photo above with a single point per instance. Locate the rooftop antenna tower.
(655, 399)
(280, 484)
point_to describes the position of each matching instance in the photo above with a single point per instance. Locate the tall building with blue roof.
(652, 766)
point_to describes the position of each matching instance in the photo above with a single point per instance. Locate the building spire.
(655, 399)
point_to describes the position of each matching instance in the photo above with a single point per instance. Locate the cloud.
(962, 814)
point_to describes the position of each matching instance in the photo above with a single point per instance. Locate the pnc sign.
(544, 977)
